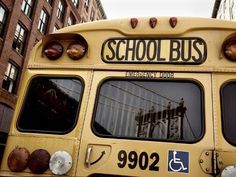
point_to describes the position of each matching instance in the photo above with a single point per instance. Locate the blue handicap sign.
(178, 161)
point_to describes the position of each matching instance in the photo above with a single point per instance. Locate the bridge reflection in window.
(161, 110)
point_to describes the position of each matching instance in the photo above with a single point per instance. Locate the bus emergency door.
(141, 123)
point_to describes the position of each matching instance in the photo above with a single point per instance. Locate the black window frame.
(43, 21)
(27, 7)
(18, 43)
(202, 107)
(4, 20)
(223, 113)
(78, 78)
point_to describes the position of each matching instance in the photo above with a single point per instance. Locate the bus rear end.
(130, 97)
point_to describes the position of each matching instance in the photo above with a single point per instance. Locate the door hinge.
(210, 162)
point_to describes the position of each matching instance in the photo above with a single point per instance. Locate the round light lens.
(229, 49)
(53, 50)
(229, 171)
(60, 162)
(39, 161)
(18, 159)
(76, 50)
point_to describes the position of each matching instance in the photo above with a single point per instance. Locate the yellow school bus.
(131, 97)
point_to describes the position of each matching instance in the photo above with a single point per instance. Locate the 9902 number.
(132, 160)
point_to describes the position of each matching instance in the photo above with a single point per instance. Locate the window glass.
(19, 39)
(3, 19)
(60, 10)
(43, 21)
(27, 6)
(71, 20)
(50, 1)
(162, 110)
(9, 79)
(75, 2)
(228, 102)
(51, 105)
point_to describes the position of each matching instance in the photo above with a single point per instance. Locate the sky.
(147, 8)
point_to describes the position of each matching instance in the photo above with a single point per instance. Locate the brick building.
(225, 10)
(22, 24)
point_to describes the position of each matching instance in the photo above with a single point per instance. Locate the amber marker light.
(77, 49)
(229, 49)
(53, 50)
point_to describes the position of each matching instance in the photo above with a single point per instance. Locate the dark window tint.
(51, 105)
(149, 110)
(228, 102)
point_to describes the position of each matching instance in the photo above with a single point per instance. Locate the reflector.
(60, 162)
(18, 159)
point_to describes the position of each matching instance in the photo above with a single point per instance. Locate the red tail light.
(53, 50)
(39, 161)
(18, 159)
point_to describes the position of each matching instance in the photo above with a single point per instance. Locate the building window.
(71, 20)
(49, 2)
(60, 10)
(3, 19)
(75, 2)
(145, 109)
(92, 16)
(86, 5)
(43, 21)
(55, 28)
(9, 80)
(27, 6)
(19, 39)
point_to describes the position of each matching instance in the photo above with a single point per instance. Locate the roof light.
(134, 22)
(76, 50)
(60, 162)
(173, 21)
(152, 22)
(39, 161)
(229, 49)
(53, 50)
(18, 159)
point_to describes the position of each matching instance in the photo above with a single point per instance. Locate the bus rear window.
(228, 102)
(154, 110)
(51, 105)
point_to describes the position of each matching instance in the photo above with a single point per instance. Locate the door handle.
(88, 155)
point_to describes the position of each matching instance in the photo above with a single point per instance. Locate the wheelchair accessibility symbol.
(178, 161)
